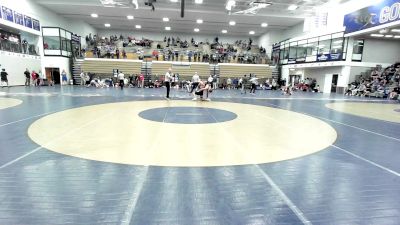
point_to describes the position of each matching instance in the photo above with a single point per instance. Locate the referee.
(167, 81)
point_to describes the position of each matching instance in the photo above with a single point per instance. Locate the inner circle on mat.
(187, 115)
(116, 133)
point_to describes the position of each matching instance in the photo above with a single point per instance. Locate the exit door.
(53, 75)
(335, 78)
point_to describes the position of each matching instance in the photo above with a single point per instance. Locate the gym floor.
(75, 155)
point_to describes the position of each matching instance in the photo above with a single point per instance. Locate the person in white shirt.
(229, 83)
(167, 81)
(121, 78)
(195, 82)
(254, 83)
(83, 78)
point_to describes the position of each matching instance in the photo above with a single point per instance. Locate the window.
(324, 45)
(56, 41)
(337, 46)
(358, 49)
(51, 43)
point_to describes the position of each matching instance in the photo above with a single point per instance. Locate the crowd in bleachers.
(175, 49)
(380, 82)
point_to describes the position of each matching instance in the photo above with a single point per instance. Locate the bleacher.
(105, 66)
(238, 70)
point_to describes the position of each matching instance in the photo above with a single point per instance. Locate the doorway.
(53, 75)
(294, 79)
(335, 78)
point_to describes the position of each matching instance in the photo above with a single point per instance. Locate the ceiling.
(390, 33)
(212, 12)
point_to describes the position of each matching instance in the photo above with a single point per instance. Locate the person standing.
(167, 81)
(141, 77)
(27, 77)
(229, 83)
(195, 82)
(254, 83)
(121, 78)
(3, 76)
(33, 77)
(83, 78)
(39, 78)
(244, 83)
(64, 77)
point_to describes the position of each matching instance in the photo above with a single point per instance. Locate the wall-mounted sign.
(323, 57)
(385, 12)
(28, 21)
(7, 14)
(336, 56)
(292, 61)
(19, 18)
(76, 38)
(36, 24)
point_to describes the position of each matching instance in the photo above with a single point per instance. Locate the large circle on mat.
(116, 133)
(377, 111)
(9, 102)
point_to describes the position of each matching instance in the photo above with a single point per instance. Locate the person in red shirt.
(141, 80)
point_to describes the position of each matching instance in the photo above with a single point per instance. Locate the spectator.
(27, 77)
(4, 78)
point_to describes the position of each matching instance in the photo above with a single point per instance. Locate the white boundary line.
(138, 190)
(288, 202)
(32, 117)
(21, 157)
(368, 161)
(344, 124)
(300, 215)
(54, 140)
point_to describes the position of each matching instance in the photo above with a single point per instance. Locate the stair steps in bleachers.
(76, 70)
(276, 73)
(215, 70)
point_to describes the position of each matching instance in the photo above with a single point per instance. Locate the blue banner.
(7, 14)
(19, 18)
(36, 24)
(385, 12)
(28, 21)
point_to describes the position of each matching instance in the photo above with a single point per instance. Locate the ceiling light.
(292, 7)
(94, 15)
(199, 21)
(377, 35)
(230, 4)
(396, 30)
(174, 0)
(165, 19)
(264, 24)
(138, 27)
(224, 31)
(107, 25)
(376, 2)
(130, 17)
(196, 29)
(198, 1)
(388, 36)
(252, 32)
(167, 28)
(383, 31)
(232, 23)
(397, 36)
